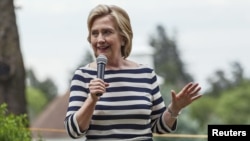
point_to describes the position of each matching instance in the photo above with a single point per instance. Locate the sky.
(210, 34)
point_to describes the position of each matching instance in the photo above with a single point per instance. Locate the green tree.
(227, 104)
(237, 72)
(203, 111)
(38, 93)
(171, 67)
(47, 87)
(87, 58)
(36, 102)
(220, 82)
(233, 105)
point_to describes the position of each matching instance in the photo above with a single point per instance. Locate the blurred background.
(42, 42)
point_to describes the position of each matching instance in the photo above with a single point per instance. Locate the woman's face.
(105, 38)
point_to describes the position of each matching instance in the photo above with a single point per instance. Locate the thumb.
(106, 84)
(173, 94)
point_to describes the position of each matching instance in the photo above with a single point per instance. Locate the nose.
(100, 38)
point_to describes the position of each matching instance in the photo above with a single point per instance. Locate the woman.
(131, 106)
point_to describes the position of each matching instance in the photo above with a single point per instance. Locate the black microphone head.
(101, 59)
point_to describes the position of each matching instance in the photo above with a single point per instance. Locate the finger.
(98, 83)
(186, 88)
(196, 97)
(97, 90)
(195, 92)
(106, 84)
(193, 86)
(96, 80)
(97, 86)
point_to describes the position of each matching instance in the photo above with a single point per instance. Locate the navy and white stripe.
(131, 108)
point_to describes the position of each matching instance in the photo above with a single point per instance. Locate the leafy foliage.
(36, 101)
(13, 127)
(171, 67)
(204, 111)
(38, 93)
(47, 86)
(87, 58)
(233, 106)
(221, 81)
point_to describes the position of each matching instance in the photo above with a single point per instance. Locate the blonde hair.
(121, 19)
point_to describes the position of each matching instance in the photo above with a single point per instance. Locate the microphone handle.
(100, 73)
(100, 70)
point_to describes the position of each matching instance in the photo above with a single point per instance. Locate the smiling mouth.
(102, 48)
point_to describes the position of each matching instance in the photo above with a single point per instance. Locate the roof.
(50, 123)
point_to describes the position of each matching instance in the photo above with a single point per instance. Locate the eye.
(107, 32)
(94, 33)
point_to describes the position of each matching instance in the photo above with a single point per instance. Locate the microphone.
(101, 63)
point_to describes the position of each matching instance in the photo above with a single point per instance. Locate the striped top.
(131, 109)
